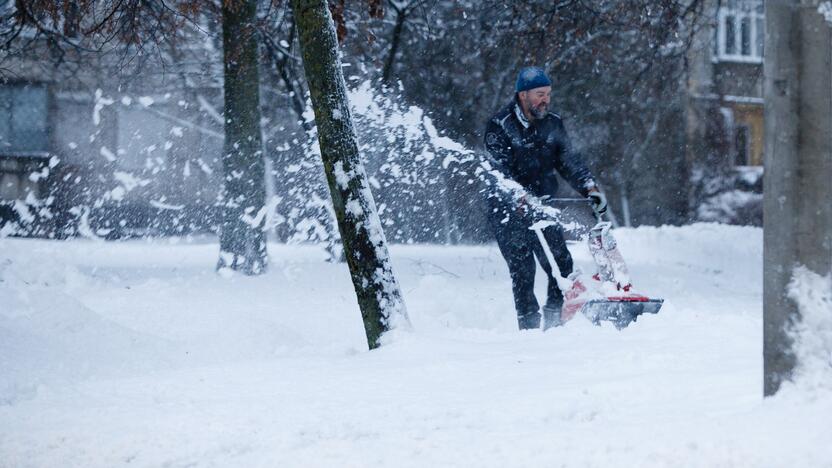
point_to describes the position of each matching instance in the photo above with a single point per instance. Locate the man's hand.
(598, 200)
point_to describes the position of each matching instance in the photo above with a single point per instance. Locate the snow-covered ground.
(138, 354)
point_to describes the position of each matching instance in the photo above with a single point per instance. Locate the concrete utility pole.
(798, 167)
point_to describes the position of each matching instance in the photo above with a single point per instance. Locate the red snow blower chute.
(607, 295)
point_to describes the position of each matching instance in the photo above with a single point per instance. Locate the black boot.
(529, 321)
(551, 315)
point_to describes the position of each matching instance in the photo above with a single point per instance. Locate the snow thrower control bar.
(598, 216)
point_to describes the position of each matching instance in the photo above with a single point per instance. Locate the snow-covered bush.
(735, 197)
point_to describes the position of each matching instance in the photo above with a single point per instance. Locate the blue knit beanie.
(530, 78)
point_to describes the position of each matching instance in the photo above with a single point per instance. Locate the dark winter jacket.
(530, 152)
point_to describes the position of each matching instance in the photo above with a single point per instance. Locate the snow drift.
(136, 353)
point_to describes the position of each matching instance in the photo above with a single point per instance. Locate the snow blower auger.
(607, 295)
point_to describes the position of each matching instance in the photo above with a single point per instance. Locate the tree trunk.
(379, 298)
(798, 167)
(242, 238)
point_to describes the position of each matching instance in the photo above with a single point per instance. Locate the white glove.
(599, 201)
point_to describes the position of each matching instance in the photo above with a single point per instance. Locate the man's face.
(536, 101)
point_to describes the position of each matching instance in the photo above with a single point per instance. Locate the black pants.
(519, 246)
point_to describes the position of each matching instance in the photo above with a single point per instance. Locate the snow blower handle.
(598, 216)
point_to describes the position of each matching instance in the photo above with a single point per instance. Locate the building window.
(23, 119)
(740, 32)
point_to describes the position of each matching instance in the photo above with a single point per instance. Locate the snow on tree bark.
(379, 297)
(242, 238)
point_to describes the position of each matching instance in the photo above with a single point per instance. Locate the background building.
(89, 142)
(725, 131)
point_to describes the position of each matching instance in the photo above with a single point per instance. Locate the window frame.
(754, 17)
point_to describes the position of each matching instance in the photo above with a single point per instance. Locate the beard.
(540, 111)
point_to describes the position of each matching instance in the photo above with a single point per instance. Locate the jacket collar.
(518, 112)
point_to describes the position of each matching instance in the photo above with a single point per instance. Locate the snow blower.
(607, 295)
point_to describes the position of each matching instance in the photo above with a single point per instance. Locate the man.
(527, 144)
